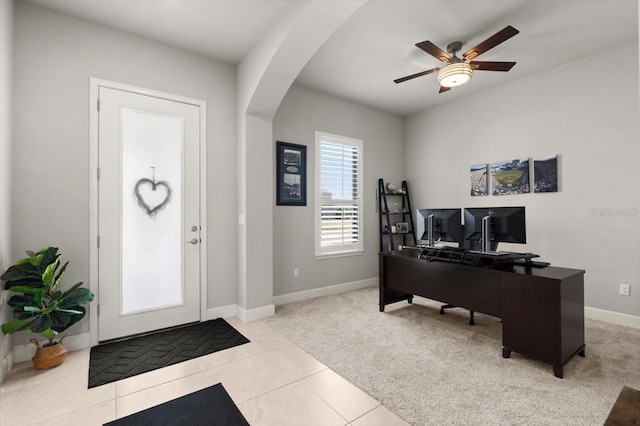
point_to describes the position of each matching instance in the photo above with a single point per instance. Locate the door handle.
(193, 241)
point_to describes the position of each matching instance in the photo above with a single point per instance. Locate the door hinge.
(98, 104)
(98, 173)
(98, 241)
(98, 309)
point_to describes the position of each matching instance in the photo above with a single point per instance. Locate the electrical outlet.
(296, 273)
(624, 289)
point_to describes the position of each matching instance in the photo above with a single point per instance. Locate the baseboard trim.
(248, 315)
(221, 312)
(323, 291)
(7, 364)
(612, 317)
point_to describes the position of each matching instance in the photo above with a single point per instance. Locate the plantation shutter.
(340, 196)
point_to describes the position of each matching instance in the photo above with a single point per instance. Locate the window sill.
(339, 254)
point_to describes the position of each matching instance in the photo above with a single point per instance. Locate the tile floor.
(271, 380)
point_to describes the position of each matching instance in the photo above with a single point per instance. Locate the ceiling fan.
(459, 70)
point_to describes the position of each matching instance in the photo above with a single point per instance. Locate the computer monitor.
(495, 224)
(435, 225)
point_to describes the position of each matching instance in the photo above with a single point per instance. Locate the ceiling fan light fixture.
(455, 74)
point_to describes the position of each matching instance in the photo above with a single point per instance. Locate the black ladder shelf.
(392, 219)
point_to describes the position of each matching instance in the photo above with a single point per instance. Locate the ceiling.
(221, 29)
(377, 44)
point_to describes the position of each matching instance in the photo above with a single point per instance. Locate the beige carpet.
(434, 369)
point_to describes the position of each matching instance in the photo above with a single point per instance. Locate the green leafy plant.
(39, 306)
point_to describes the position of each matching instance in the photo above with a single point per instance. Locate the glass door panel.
(151, 241)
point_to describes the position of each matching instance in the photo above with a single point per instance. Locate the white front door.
(148, 213)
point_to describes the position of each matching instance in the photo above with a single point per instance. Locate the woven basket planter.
(48, 356)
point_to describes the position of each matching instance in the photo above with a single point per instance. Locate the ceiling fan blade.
(491, 66)
(444, 89)
(434, 51)
(420, 74)
(505, 34)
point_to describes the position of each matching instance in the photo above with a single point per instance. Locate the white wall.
(6, 81)
(575, 111)
(300, 114)
(264, 76)
(54, 57)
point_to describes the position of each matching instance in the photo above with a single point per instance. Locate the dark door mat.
(116, 361)
(211, 406)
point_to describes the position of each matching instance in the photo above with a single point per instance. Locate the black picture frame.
(402, 227)
(291, 171)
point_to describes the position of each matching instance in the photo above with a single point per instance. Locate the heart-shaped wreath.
(149, 198)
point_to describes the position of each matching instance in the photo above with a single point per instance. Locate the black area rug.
(211, 406)
(116, 361)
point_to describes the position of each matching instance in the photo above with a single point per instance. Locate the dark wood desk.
(542, 309)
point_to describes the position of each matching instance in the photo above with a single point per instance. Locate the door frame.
(94, 86)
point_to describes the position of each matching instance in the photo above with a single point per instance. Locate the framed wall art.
(545, 173)
(510, 177)
(479, 179)
(291, 170)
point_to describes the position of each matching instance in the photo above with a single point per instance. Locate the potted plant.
(40, 307)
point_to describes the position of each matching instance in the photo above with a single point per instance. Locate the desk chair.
(469, 245)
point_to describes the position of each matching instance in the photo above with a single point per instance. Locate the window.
(338, 195)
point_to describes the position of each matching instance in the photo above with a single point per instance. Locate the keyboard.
(531, 263)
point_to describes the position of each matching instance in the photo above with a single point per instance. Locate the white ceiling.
(221, 29)
(376, 45)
